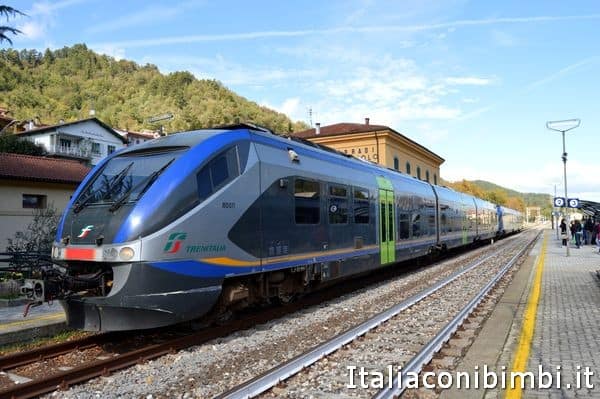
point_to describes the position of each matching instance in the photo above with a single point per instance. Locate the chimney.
(317, 128)
(367, 121)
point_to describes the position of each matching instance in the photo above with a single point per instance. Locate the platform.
(42, 321)
(560, 326)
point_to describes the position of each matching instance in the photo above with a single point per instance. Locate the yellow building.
(380, 144)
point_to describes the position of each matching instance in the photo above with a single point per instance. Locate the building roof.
(340, 129)
(32, 168)
(43, 129)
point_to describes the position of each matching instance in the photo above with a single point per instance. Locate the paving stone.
(568, 319)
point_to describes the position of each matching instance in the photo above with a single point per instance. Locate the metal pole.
(555, 215)
(564, 158)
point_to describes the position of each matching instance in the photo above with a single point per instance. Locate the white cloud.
(468, 80)
(40, 18)
(115, 52)
(581, 183)
(143, 17)
(290, 106)
(159, 41)
(32, 30)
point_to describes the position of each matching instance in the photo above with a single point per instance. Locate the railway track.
(312, 360)
(122, 355)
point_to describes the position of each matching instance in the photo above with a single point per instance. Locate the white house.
(135, 138)
(87, 140)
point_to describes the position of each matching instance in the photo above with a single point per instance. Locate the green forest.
(67, 83)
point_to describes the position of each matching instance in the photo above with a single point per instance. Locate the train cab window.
(338, 205)
(307, 201)
(218, 172)
(361, 205)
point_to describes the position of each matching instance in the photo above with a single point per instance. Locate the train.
(212, 220)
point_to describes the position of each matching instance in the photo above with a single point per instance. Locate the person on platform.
(578, 233)
(588, 229)
(563, 231)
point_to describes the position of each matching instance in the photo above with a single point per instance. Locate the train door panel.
(387, 222)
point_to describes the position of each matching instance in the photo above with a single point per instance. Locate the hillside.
(531, 199)
(67, 83)
(503, 196)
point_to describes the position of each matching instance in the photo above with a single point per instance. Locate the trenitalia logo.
(174, 242)
(85, 231)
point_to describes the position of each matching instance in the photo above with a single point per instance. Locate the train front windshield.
(125, 178)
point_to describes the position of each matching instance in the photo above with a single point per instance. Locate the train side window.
(218, 172)
(361, 205)
(416, 225)
(338, 205)
(338, 191)
(403, 227)
(307, 201)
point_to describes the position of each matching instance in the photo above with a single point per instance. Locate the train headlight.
(109, 254)
(126, 253)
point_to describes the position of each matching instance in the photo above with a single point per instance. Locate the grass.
(39, 342)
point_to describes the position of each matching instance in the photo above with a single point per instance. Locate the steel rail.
(262, 383)
(416, 364)
(103, 367)
(17, 359)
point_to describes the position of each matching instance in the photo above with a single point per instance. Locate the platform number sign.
(573, 203)
(559, 202)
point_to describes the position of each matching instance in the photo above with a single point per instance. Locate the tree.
(8, 12)
(13, 144)
(39, 234)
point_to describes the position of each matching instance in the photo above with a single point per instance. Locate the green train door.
(387, 225)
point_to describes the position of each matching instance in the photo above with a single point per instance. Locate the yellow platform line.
(53, 316)
(522, 354)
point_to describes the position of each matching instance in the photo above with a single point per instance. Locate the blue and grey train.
(169, 230)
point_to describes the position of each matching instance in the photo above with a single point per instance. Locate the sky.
(473, 81)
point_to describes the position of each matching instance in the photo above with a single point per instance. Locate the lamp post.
(564, 126)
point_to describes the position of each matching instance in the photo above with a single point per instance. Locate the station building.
(380, 144)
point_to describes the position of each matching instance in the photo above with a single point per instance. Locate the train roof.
(192, 138)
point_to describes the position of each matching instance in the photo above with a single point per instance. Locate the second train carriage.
(162, 232)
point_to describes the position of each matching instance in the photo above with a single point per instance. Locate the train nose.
(142, 297)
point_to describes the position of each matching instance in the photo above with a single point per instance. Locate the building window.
(407, 167)
(396, 163)
(64, 143)
(111, 149)
(434, 179)
(307, 201)
(96, 148)
(34, 201)
(419, 172)
(427, 176)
